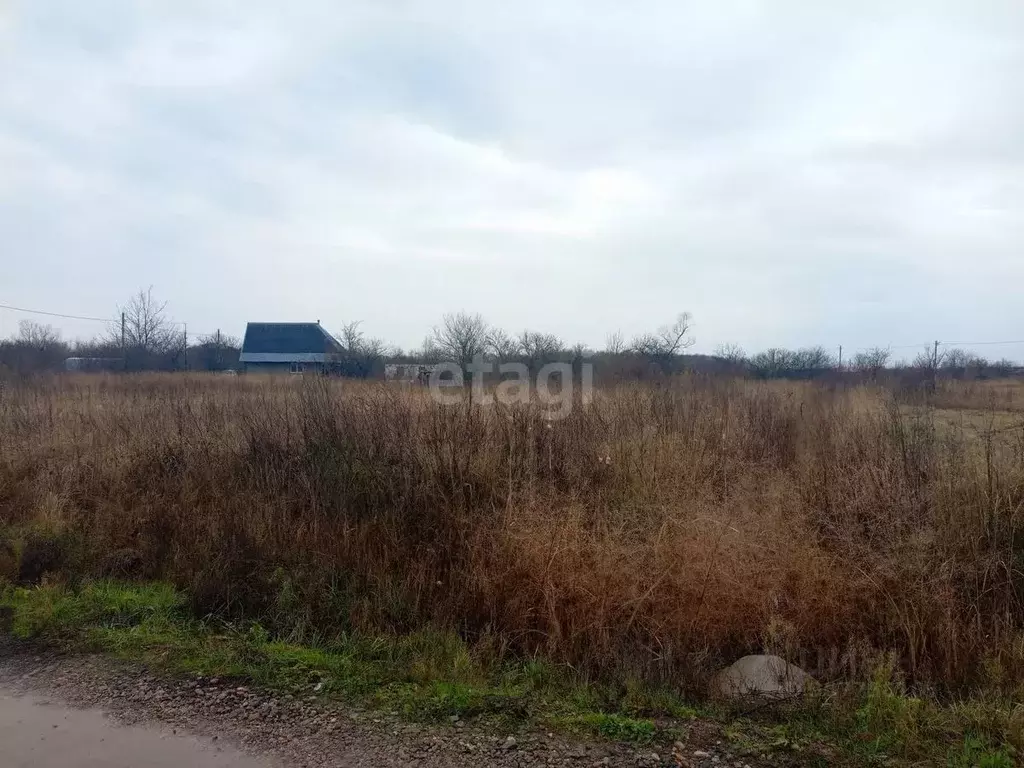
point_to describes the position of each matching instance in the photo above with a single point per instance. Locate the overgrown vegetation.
(645, 541)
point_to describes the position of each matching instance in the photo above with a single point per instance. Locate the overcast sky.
(792, 173)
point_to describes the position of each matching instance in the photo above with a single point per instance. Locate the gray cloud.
(843, 174)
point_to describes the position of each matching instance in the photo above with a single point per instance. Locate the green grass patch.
(427, 675)
(57, 613)
(433, 675)
(610, 726)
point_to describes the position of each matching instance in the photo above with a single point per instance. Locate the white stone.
(760, 677)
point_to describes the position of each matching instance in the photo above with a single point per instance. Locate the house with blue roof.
(288, 348)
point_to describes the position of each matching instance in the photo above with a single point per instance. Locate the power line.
(55, 314)
(891, 347)
(924, 345)
(75, 317)
(977, 343)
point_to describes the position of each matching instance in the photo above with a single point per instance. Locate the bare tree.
(773, 363)
(221, 340)
(788, 363)
(216, 352)
(502, 345)
(37, 347)
(811, 360)
(960, 362)
(351, 336)
(580, 352)
(1003, 367)
(33, 334)
(872, 361)
(459, 338)
(929, 359)
(732, 353)
(668, 341)
(666, 344)
(360, 356)
(615, 344)
(147, 330)
(429, 352)
(956, 360)
(540, 348)
(928, 362)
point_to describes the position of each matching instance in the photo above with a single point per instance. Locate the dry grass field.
(661, 532)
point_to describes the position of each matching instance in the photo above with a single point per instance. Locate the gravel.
(309, 732)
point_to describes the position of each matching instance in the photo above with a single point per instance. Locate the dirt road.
(36, 732)
(92, 712)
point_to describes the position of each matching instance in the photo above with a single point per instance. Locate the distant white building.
(93, 364)
(409, 373)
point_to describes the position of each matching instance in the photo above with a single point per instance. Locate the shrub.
(668, 529)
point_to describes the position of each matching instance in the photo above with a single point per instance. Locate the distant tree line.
(37, 348)
(462, 337)
(141, 336)
(813, 362)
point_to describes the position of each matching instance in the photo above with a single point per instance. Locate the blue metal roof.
(288, 339)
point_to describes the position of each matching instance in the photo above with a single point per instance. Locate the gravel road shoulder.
(312, 733)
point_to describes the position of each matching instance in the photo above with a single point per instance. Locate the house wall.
(282, 368)
(268, 367)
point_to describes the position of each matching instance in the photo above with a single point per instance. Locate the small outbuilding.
(94, 364)
(287, 348)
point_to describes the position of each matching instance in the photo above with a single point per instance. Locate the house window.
(297, 367)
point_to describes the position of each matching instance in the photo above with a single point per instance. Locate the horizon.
(899, 355)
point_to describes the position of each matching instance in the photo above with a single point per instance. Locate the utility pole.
(220, 352)
(186, 345)
(124, 350)
(840, 357)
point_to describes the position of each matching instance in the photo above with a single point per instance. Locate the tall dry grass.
(664, 530)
